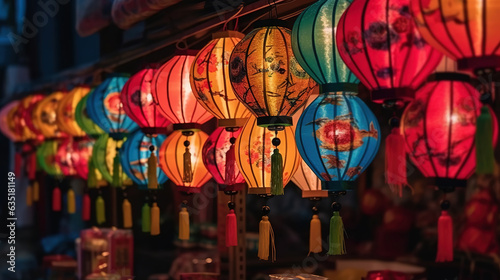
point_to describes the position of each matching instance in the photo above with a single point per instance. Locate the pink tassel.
(231, 229)
(56, 199)
(86, 207)
(395, 162)
(445, 235)
(230, 164)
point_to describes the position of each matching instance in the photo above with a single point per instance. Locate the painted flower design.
(401, 24)
(260, 154)
(353, 43)
(112, 103)
(237, 70)
(379, 34)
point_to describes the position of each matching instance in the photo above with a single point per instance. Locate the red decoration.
(139, 104)
(380, 44)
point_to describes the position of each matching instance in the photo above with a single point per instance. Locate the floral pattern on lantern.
(66, 109)
(139, 104)
(45, 113)
(211, 83)
(253, 155)
(135, 153)
(171, 160)
(84, 121)
(103, 155)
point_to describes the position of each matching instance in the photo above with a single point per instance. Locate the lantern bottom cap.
(259, 191)
(388, 94)
(448, 184)
(314, 194)
(232, 188)
(351, 88)
(239, 122)
(274, 121)
(479, 63)
(337, 186)
(187, 126)
(154, 130)
(189, 189)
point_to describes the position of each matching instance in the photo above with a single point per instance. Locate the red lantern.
(139, 105)
(379, 42)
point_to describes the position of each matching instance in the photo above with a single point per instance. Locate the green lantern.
(45, 156)
(83, 120)
(103, 157)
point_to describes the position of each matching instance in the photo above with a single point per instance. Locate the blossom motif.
(401, 24)
(379, 34)
(237, 70)
(353, 43)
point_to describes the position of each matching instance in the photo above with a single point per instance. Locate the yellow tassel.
(127, 213)
(29, 196)
(152, 165)
(315, 244)
(70, 197)
(188, 172)
(100, 210)
(266, 238)
(184, 224)
(36, 191)
(155, 219)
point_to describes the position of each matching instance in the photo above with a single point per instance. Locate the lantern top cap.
(186, 52)
(449, 76)
(271, 22)
(227, 34)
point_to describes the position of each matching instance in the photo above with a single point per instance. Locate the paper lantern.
(5, 119)
(103, 157)
(135, 153)
(313, 44)
(84, 121)
(44, 116)
(379, 42)
(171, 89)
(66, 109)
(215, 159)
(266, 76)
(46, 154)
(253, 156)
(25, 112)
(172, 160)
(211, 83)
(105, 108)
(338, 137)
(463, 30)
(138, 102)
(439, 128)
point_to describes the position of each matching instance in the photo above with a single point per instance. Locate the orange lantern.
(65, 117)
(45, 115)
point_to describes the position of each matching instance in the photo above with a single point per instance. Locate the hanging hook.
(240, 8)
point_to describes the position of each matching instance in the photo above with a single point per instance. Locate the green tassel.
(485, 161)
(146, 217)
(277, 173)
(100, 210)
(336, 241)
(92, 177)
(116, 170)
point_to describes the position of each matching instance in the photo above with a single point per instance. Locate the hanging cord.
(224, 27)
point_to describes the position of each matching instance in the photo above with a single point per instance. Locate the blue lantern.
(105, 108)
(135, 154)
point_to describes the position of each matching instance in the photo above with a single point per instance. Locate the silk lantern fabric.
(105, 107)
(266, 76)
(171, 160)
(139, 104)
(103, 155)
(4, 121)
(28, 105)
(171, 88)
(466, 31)
(253, 155)
(84, 121)
(66, 109)
(338, 137)
(214, 158)
(135, 154)
(314, 46)
(211, 83)
(439, 128)
(45, 114)
(46, 157)
(379, 42)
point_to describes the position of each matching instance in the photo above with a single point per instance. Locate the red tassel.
(18, 162)
(56, 199)
(231, 229)
(395, 162)
(230, 173)
(86, 207)
(445, 238)
(32, 166)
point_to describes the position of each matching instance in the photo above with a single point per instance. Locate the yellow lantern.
(253, 155)
(44, 115)
(66, 111)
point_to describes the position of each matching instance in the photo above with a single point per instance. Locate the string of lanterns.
(147, 128)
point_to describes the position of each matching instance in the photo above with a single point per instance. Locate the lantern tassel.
(315, 239)
(86, 207)
(266, 238)
(485, 161)
(18, 162)
(152, 177)
(32, 166)
(230, 166)
(36, 191)
(92, 177)
(146, 218)
(336, 241)
(127, 213)
(184, 224)
(231, 229)
(56, 199)
(188, 172)
(100, 210)
(71, 203)
(395, 162)
(29, 196)
(116, 170)
(155, 219)
(445, 235)
(277, 173)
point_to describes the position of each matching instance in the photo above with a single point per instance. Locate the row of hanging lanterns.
(254, 84)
